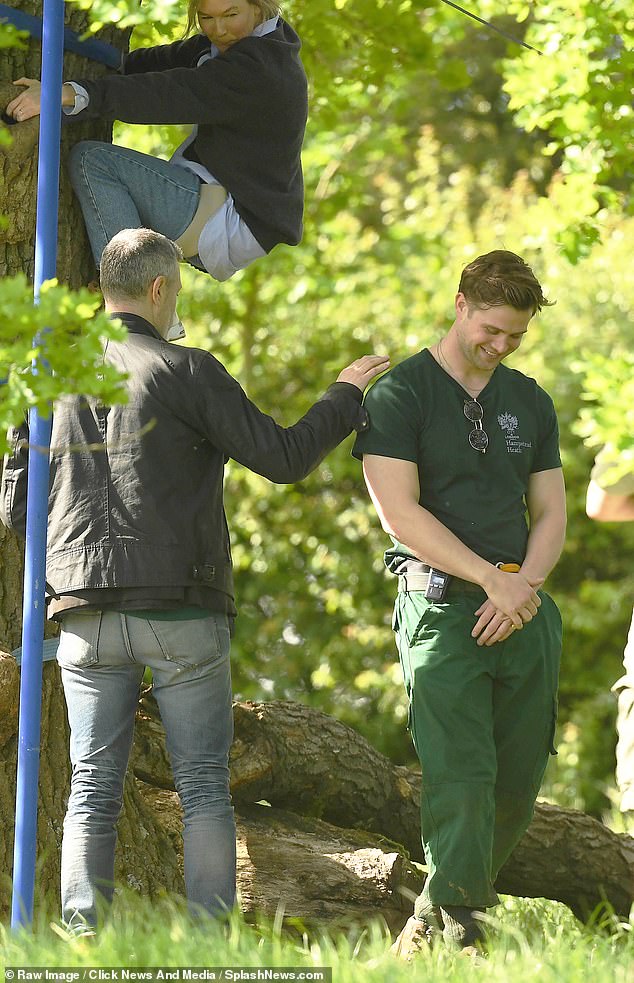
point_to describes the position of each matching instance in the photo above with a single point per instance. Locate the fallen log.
(308, 871)
(296, 758)
(300, 759)
(571, 857)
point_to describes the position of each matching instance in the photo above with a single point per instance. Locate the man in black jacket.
(139, 566)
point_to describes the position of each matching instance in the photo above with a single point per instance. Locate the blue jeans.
(123, 189)
(120, 189)
(102, 657)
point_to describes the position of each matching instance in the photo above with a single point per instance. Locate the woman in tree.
(233, 190)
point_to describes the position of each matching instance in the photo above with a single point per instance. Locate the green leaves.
(608, 420)
(10, 37)
(581, 91)
(64, 334)
(131, 13)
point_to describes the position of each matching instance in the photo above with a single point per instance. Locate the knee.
(513, 809)
(205, 793)
(96, 793)
(80, 157)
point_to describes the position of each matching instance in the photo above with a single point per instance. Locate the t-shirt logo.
(509, 424)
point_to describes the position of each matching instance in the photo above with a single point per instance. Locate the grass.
(534, 940)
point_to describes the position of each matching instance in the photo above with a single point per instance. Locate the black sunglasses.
(478, 438)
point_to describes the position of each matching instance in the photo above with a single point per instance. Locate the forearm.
(236, 426)
(546, 502)
(435, 544)
(394, 487)
(545, 543)
(202, 95)
(289, 454)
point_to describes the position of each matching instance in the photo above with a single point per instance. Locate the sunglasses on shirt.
(478, 438)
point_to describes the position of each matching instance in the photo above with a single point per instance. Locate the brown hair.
(268, 9)
(502, 278)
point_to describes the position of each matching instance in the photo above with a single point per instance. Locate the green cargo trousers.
(482, 721)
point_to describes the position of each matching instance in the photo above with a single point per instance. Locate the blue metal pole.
(37, 500)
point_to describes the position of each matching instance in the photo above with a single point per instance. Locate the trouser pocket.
(400, 642)
(79, 640)
(403, 644)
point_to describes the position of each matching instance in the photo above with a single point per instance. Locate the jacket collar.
(137, 325)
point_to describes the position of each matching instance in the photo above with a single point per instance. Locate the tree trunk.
(146, 858)
(18, 174)
(308, 871)
(297, 758)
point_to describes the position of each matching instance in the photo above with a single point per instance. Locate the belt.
(420, 581)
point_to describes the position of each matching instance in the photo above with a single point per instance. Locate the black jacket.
(136, 490)
(250, 104)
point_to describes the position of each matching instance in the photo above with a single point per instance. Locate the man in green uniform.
(460, 449)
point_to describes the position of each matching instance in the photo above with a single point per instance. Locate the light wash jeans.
(123, 189)
(120, 189)
(102, 657)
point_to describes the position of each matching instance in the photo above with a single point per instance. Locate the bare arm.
(604, 506)
(395, 491)
(546, 502)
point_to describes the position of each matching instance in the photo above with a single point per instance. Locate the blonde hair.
(267, 8)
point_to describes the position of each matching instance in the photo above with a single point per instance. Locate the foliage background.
(430, 140)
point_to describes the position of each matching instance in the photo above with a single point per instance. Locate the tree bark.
(573, 858)
(18, 162)
(308, 871)
(297, 758)
(146, 859)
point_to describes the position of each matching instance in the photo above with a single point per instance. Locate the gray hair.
(133, 259)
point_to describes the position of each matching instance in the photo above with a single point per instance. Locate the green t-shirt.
(417, 414)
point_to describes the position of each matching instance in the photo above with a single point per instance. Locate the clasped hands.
(511, 603)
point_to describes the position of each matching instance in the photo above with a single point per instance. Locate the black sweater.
(250, 104)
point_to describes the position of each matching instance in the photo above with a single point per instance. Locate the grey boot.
(462, 927)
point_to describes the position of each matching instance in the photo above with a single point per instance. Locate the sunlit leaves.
(608, 417)
(581, 90)
(65, 335)
(131, 13)
(10, 37)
